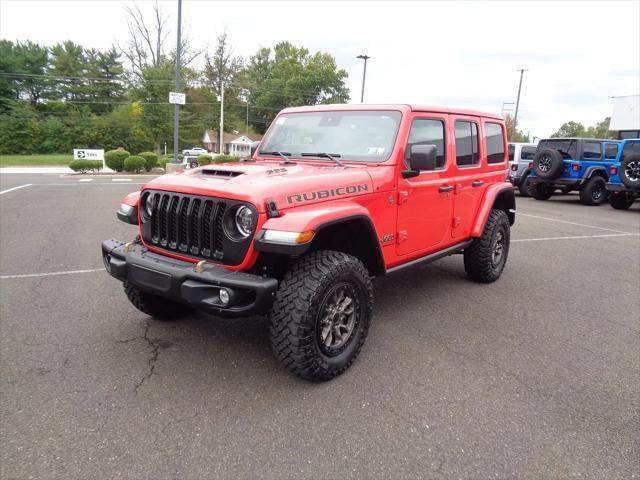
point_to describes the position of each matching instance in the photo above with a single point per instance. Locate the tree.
(519, 137)
(68, 64)
(32, 61)
(600, 130)
(576, 129)
(108, 88)
(290, 76)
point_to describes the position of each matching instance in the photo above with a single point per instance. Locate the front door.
(425, 202)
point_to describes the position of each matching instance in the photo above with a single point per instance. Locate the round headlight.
(244, 221)
(148, 204)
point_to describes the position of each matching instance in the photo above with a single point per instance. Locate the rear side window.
(610, 151)
(427, 132)
(512, 152)
(466, 144)
(592, 151)
(630, 149)
(495, 142)
(527, 153)
(567, 148)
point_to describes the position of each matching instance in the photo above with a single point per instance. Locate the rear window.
(495, 142)
(567, 148)
(592, 151)
(631, 149)
(527, 153)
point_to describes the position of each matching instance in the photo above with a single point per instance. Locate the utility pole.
(364, 74)
(176, 112)
(246, 128)
(515, 117)
(221, 144)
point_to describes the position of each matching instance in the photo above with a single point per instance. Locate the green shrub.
(204, 159)
(115, 159)
(83, 166)
(134, 164)
(151, 160)
(225, 159)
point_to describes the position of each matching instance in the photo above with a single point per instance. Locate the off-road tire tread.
(292, 336)
(477, 257)
(154, 305)
(522, 188)
(585, 192)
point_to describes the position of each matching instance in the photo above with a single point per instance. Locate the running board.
(432, 257)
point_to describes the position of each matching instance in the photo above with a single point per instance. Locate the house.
(234, 144)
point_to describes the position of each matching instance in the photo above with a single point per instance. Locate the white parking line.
(14, 188)
(50, 274)
(120, 179)
(86, 180)
(570, 223)
(576, 237)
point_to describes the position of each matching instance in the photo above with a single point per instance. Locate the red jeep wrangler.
(333, 196)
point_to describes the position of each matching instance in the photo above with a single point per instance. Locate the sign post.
(86, 154)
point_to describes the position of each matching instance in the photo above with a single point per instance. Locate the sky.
(457, 54)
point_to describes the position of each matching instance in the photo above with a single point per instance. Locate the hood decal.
(320, 194)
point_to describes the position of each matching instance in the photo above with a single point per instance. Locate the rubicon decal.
(320, 194)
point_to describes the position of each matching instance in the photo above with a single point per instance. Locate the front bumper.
(618, 187)
(178, 281)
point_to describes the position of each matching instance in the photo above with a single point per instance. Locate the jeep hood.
(288, 185)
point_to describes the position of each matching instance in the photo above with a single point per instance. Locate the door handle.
(446, 188)
(477, 183)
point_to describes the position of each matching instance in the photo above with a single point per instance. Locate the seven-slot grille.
(188, 224)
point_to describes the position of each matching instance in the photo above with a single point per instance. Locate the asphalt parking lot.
(537, 375)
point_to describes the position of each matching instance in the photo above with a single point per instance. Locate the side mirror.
(254, 147)
(421, 158)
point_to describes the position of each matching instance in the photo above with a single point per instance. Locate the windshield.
(359, 136)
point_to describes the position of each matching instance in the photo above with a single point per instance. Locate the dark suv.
(570, 164)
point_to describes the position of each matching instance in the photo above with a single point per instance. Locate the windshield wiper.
(280, 154)
(330, 156)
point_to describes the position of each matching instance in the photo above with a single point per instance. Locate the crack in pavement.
(156, 345)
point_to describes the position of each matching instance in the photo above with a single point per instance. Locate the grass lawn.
(50, 160)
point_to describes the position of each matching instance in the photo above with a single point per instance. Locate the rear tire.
(525, 187)
(621, 201)
(321, 315)
(485, 259)
(541, 191)
(158, 307)
(630, 171)
(594, 191)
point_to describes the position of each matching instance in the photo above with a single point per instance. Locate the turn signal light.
(514, 167)
(613, 170)
(576, 167)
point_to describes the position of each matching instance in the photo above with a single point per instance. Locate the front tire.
(525, 187)
(541, 191)
(593, 192)
(485, 259)
(321, 315)
(158, 307)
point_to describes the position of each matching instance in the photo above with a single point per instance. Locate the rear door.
(469, 185)
(425, 202)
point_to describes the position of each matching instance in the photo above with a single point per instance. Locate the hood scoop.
(209, 172)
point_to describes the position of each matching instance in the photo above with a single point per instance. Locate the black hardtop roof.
(580, 138)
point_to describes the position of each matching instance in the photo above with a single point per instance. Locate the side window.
(495, 142)
(610, 151)
(427, 132)
(592, 151)
(466, 144)
(511, 148)
(528, 153)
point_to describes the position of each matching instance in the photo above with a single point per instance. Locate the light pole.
(515, 117)
(364, 74)
(176, 113)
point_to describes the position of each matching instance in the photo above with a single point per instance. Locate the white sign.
(85, 154)
(179, 98)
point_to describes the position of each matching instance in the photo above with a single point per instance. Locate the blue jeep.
(624, 179)
(569, 164)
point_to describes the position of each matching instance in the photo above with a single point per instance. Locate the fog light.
(224, 296)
